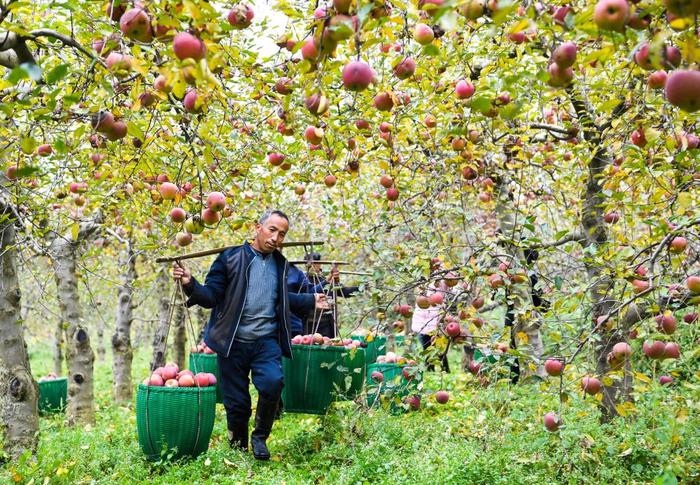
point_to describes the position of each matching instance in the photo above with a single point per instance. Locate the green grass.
(482, 435)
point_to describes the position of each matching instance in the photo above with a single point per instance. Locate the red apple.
(183, 239)
(657, 79)
(622, 350)
(442, 397)
(168, 190)
(665, 380)
(453, 329)
(190, 102)
(565, 55)
(552, 422)
(693, 283)
(690, 317)
(330, 180)
(436, 299)
(464, 89)
(423, 34)
(44, 150)
(136, 24)
(216, 201)
(392, 193)
(377, 376)
(357, 75)
(187, 46)
(678, 244)
(405, 68)
(383, 101)
(210, 218)
(666, 323)
(611, 217)
(590, 385)
(171, 383)
(156, 380)
(553, 367)
(654, 350)
(186, 380)
(672, 351)
(683, 90)
(611, 14)
(240, 16)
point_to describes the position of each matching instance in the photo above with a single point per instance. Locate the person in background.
(425, 320)
(325, 322)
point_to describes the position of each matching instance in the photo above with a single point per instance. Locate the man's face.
(270, 235)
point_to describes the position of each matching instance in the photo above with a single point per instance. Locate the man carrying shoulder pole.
(249, 327)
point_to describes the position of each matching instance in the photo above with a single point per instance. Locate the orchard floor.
(482, 435)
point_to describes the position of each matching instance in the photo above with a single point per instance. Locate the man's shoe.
(238, 436)
(264, 417)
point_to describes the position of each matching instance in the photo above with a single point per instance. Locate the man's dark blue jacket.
(224, 290)
(297, 282)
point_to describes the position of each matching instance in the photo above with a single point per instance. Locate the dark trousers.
(263, 360)
(426, 342)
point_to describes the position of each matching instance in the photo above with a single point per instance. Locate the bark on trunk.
(180, 335)
(122, 352)
(526, 319)
(100, 335)
(79, 355)
(58, 348)
(19, 394)
(159, 340)
(595, 234)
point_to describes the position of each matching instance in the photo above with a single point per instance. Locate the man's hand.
(181, 273)
(334, 275)
(321, 301)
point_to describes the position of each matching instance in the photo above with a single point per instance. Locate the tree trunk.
(79, 355)
(19, 393)
(202, 320)
(100, 335)
(526, 318)
(122, 353)
(180, 336)
(58, 348)
(159, 340)
(595, 235)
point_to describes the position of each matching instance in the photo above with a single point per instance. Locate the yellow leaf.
(682, 415)
(642, 377)
(74, 231)
(522, 336)
(683, 202)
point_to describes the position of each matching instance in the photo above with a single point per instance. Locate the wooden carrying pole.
(304, 261)
(208, 252)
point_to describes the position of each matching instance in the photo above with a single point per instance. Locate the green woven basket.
(374, 348)
(350, 373)
(316, 376)
(53, 395)
(393, 388)
(208, 363)
(479, 356)
(174, 418)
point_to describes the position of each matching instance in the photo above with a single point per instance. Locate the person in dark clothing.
(249, 327)
(297, 282)
(326, 322)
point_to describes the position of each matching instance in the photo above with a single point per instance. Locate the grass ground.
(482, 435)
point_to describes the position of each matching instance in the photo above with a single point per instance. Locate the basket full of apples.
(204, 359)
(53, 394)
(392, 381)
(321, 371)
(175, 412)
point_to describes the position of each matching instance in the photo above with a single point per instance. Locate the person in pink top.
(426, 320)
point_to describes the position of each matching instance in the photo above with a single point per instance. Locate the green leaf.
(17, 74)
(57, 73)
(134, 130)
(27, 144)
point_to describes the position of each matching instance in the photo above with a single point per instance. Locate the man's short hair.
(269, 213)
(313, 257)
